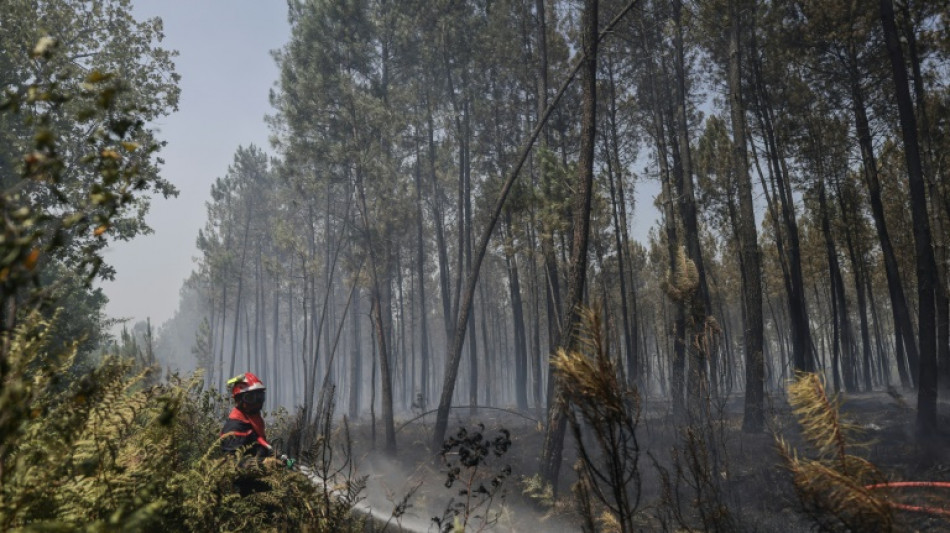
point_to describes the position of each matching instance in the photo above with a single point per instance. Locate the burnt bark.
(551, 452)
(926, 264)
(899, 308)
(750, 262)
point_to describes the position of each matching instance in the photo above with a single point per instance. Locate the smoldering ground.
(742, 476)
(417, 477)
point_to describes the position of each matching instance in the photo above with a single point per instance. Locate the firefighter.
(244, 428)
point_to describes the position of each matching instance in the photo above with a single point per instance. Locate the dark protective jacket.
(246, 431)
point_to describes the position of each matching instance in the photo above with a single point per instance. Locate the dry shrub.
(831, 483)
(604, 413)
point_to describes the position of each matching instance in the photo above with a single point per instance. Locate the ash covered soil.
(753, 490)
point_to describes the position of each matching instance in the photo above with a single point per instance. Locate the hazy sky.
(226, 72)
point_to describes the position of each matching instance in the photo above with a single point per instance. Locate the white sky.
(226, 72)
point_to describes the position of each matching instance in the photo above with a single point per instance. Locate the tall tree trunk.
(385, 370)
(750, 262)
(614, 173)
(466, 236)
(275, 327)
(290, 334)
(224, 327)
(379, 301)
(939, 216)
(212, 332)
(240, 291)
(356, 359)
(553, 285)
(788, 241)
(840, 307)
(437, 218)
(517, 312)
(551, 451)
(926, 264)
(403, 354)
(464, 307)
(487, 347)
(259, 356)
(248, 347)
(423, 303)
(537, 362)
(899, 308)
(702, 362)
(372, 384)
(552, 296)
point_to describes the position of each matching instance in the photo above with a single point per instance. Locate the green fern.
(109, 450)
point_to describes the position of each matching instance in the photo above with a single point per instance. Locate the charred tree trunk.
(379, 302)
(445, 275)
(926, 264)
(940, 210)
(702, 362)
(356, 359)
(614, 173)
(517, 312)
(466, 243)
(551, 451)
(423, 302)
(804, 356)
(659, 115)
(750, 262)
(551, 291)
(900, 311)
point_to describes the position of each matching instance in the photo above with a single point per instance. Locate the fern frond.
(108, 450)
(818, 416)
(831, 486)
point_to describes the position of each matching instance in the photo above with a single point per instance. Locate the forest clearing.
(504, 265)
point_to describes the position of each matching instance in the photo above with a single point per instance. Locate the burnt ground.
(752, 489)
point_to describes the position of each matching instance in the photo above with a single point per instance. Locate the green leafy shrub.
(102, 446)
(105, 451)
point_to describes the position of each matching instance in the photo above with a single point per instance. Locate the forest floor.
(753, 488)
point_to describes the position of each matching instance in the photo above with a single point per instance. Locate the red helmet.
(244, 383)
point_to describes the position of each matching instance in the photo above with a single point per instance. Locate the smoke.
(175, 339)
(389, 482)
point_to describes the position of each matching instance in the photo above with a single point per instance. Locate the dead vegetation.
(828, 463)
